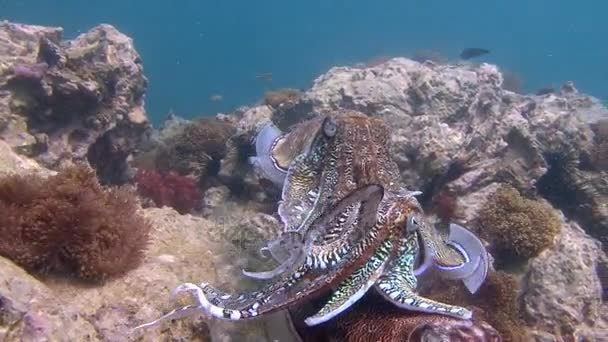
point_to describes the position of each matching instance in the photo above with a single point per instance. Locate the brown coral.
(497, 299)
(70, 223)
(517, 225)
(282, 97)
(198, 149)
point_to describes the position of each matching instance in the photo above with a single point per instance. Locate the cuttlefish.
(348, 226)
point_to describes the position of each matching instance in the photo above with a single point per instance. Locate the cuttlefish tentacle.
(265, 163)
(323, 256)
(398, 284)
(355, 286)
(463, 256)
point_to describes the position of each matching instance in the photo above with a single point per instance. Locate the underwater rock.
(11, 162)
(73, 100)
(563, 293)
(447, 114)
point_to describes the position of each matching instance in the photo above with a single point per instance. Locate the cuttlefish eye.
(412, 224)
(329, 127)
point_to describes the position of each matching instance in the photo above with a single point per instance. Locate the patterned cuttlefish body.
(348, 226)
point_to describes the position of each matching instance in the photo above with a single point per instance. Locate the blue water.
(193, 49)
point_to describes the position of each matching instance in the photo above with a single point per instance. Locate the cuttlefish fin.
(474, 270)
(353, 287)
(398, 284)
(265, 141)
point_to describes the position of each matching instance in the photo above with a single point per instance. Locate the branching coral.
(70, 223)
(169, 189)
(517, 225)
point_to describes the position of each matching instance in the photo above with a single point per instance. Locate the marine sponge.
(69, 223)
(170, 189)
(517, 225)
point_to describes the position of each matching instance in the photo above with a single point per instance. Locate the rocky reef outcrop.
(64, 101)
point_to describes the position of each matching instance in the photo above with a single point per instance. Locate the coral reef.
(516, 224)
(72, 101)
(69, 223)
(170, 189)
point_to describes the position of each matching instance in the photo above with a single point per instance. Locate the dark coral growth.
(600, 149)
(169, 189)
(197, 150)
(70, 223)
(516, 225)
(282, 97)
(444, 205)
(497, 301)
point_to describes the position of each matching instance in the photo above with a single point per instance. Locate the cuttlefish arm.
(463, 256)
(398, 284)
(291, 249)
(355, 286)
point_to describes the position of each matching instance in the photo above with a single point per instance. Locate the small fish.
(545, 91)
(267, 76)
(216, 97)
(469, 53)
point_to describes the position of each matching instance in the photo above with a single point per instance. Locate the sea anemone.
(516, 225)
(69, 223)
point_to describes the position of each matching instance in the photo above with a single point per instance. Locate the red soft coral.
(169, 189)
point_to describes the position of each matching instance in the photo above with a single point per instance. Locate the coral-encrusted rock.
(74, 100)
(563, 294)
(445, 113)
